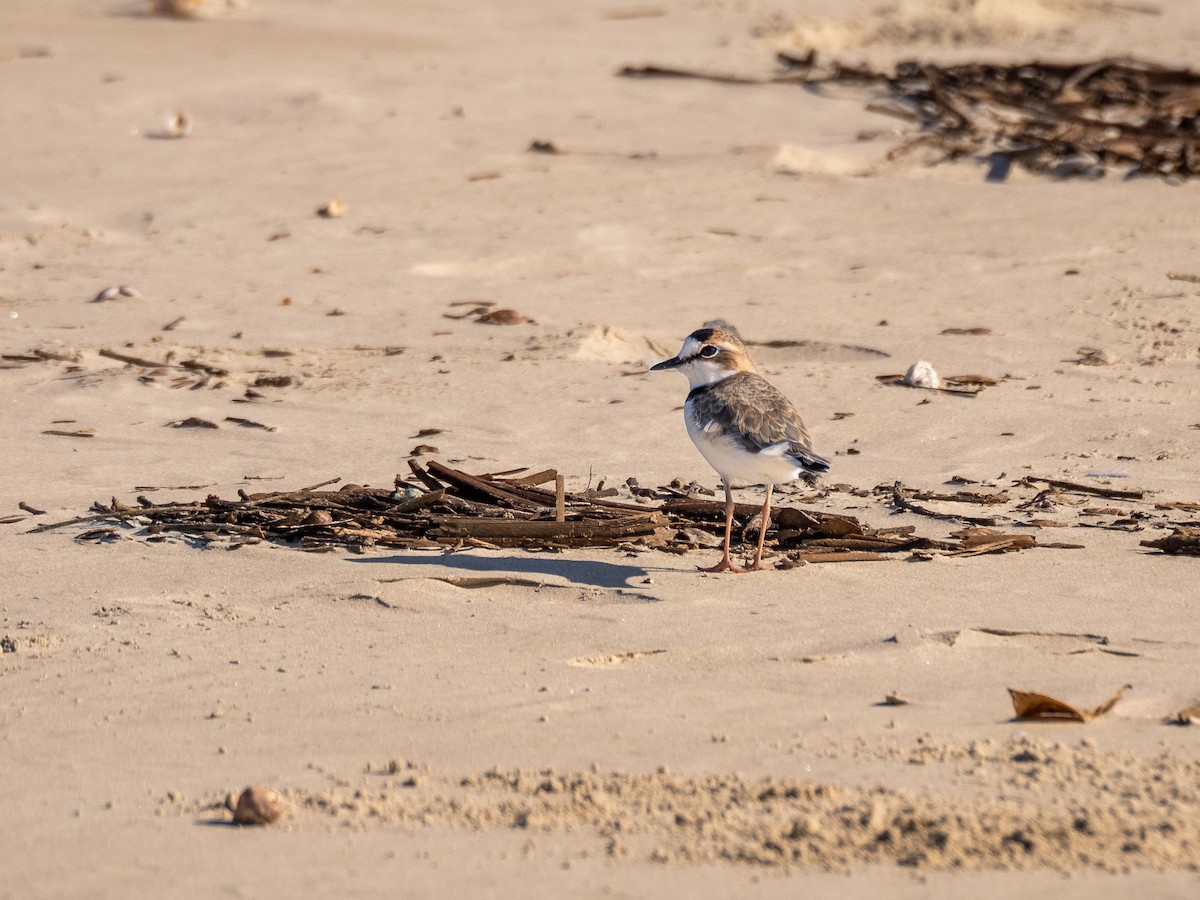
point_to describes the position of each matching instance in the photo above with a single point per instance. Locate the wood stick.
(692, 508)
(477, 486)
(671, 72)
(546, 498)
(424, 477)
(417, 502)
(828, 556)
(81, 520)
(866, 544)
(902, 502)
(135, 360)
(535, 479)
(1111, 493)
(560, 512)
(313, 487)
(604, 532)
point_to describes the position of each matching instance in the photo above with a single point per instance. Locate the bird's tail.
(811, 465)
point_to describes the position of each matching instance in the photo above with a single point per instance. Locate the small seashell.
(107, 294)
(334, 209)
(178, 125)
(257, 806)
(194, 9)
(922, 374)
(127, 291)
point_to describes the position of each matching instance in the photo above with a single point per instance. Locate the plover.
(741, 424)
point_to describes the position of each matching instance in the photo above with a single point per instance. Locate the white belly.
(736, 464)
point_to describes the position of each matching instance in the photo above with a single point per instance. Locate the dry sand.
(612, 725)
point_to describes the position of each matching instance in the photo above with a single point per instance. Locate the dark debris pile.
(443, 508)
(438, 507)
(1079, 119)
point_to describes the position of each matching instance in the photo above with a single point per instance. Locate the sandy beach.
(603, 722)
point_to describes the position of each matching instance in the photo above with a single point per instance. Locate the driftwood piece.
(1076, 487)
(900, 501)
(829, 556)
(510, 532)
(480, 487)
(787, 517)
(134, 360)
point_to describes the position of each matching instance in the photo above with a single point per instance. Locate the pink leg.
(725, 565)
(757, 564)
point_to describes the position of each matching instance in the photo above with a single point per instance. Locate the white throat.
(703, 372)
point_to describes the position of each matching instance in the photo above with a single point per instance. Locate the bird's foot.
(757, 565)
(725, 565)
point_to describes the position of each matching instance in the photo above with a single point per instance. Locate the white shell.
(195, 9)
(334, 209)
(922, 374)
(107, 294)
(176, 125)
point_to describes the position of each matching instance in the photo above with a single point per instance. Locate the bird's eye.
(709, 351)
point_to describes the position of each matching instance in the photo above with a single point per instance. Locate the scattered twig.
(134, 360)
(1111, 493)
(652, 71)
(902, 502)
(249, 423)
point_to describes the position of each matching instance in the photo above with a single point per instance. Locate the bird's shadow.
(577, 571)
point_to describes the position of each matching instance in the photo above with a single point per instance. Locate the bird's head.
(708, 355)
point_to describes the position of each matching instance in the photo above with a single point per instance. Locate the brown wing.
(748, 405)
(760, 412)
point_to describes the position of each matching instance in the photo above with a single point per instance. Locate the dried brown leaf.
(503, 317)
(1028, 705)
